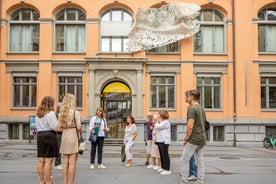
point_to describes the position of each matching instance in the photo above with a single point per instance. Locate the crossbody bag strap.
(76, 125)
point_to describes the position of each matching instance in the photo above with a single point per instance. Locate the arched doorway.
(116, 101)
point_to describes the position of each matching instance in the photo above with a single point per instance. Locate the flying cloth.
(155, 27)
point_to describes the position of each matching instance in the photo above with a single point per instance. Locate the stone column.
(91, 92)
(139, 93)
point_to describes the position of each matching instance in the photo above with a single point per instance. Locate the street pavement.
(223, 165)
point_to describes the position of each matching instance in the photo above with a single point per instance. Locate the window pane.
(127, 17)
(35, 15)
(162, 96)
(272, 80)
(106, 17)
(170, 80)
(272, 97)
(26, 95)
(16, 96)
(60, 38)
(208, 14)
(116, 44)
(263, 97)
(153, 96)
(218, 134)
(199, 80)
(105, 44)
(162, 80)
(261, 15)
(218, 17)
(15, 15)
(71, 14)
(81, 15)
(125, 40)
(217, 97)
(271, 38)
(13, 131)
(171, 96)
(26, 14)
(271, 14)
(207, 80)
(60, 15)
(153, 80)
(207, 97)
(261, 38)
(116, 15)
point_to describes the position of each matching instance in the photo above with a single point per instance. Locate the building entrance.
(116, 102)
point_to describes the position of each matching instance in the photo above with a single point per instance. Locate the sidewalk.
(223, 165)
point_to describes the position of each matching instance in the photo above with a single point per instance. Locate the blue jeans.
(192, 167)
(99, 143)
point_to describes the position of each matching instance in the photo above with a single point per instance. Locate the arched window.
(70, 33)
(267, 30)
(24, 30)
(211, 37)
(115, 27)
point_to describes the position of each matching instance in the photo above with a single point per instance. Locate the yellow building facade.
(50, 48)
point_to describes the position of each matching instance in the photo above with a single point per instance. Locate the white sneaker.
(160, 170)
(199, 181)
(165, 172)
(101, 166)
(92, 166)
(58, 167)
(127, 165)
(156, 167)
(150, 166)
(192, 178)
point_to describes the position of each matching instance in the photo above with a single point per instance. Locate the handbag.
(92, 137)
(81, 141)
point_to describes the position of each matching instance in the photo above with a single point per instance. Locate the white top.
(47, 122)
(163, 133)
(129, 132)
(97, 121)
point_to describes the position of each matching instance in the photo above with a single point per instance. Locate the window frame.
(75, 76)
(267, 99)
(31, 24)
(31, 85)
(212, 85)
(166, 92)
(214, 24)
(110, 36)
(66, 23)
(266, 23)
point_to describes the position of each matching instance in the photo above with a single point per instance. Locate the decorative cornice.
(114, 59)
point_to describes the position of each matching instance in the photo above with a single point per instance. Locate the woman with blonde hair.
(47, 148)
(70, 125)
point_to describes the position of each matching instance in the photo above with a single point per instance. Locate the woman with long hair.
(70, 125)
(98, 126)
(129, 138)
(47, 148)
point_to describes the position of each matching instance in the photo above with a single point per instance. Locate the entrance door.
(116, 102)
(116, 114)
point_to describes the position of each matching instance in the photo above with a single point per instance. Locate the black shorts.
(47, 146)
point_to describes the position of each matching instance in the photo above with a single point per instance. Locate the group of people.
(47, 124)
(158, 139)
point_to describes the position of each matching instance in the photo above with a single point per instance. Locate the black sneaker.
(147, 164)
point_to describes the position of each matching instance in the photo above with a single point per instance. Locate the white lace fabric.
(155, 27)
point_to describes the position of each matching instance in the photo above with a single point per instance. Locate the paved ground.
(224, 165)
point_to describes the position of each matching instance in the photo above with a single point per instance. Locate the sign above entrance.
(118, 87)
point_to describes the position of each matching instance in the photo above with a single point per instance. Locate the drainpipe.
(234, 74)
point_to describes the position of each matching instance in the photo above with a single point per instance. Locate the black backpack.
(207, 125)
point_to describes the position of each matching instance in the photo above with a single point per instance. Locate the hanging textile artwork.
(155, 27)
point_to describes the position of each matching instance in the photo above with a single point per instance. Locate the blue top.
(149, 130)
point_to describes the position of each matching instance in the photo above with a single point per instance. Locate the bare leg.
(65, 168)
(72, 167)
(48, 170)
(159, 162)
(40, 169)
(153, 160)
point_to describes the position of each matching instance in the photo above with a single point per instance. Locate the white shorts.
(149, 144)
